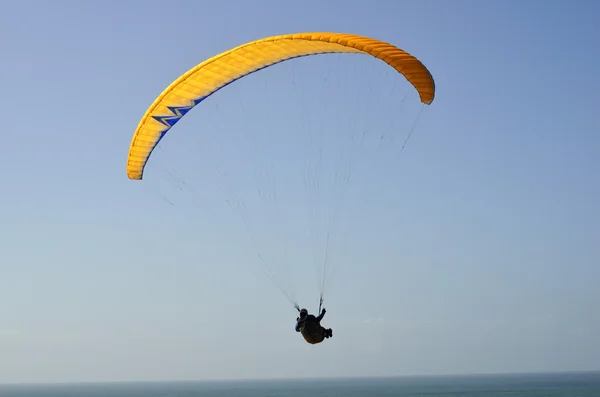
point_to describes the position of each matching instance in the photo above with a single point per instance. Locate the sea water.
(526, 385)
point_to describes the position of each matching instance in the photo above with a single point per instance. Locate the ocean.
(526, 385)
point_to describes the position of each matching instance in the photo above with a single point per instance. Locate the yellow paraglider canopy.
(209, 76)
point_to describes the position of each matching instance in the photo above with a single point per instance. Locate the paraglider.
(206, 78)
(310, 327)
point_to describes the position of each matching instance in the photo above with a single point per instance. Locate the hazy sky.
(475, 250)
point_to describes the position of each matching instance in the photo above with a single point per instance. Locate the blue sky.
(476, 250)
